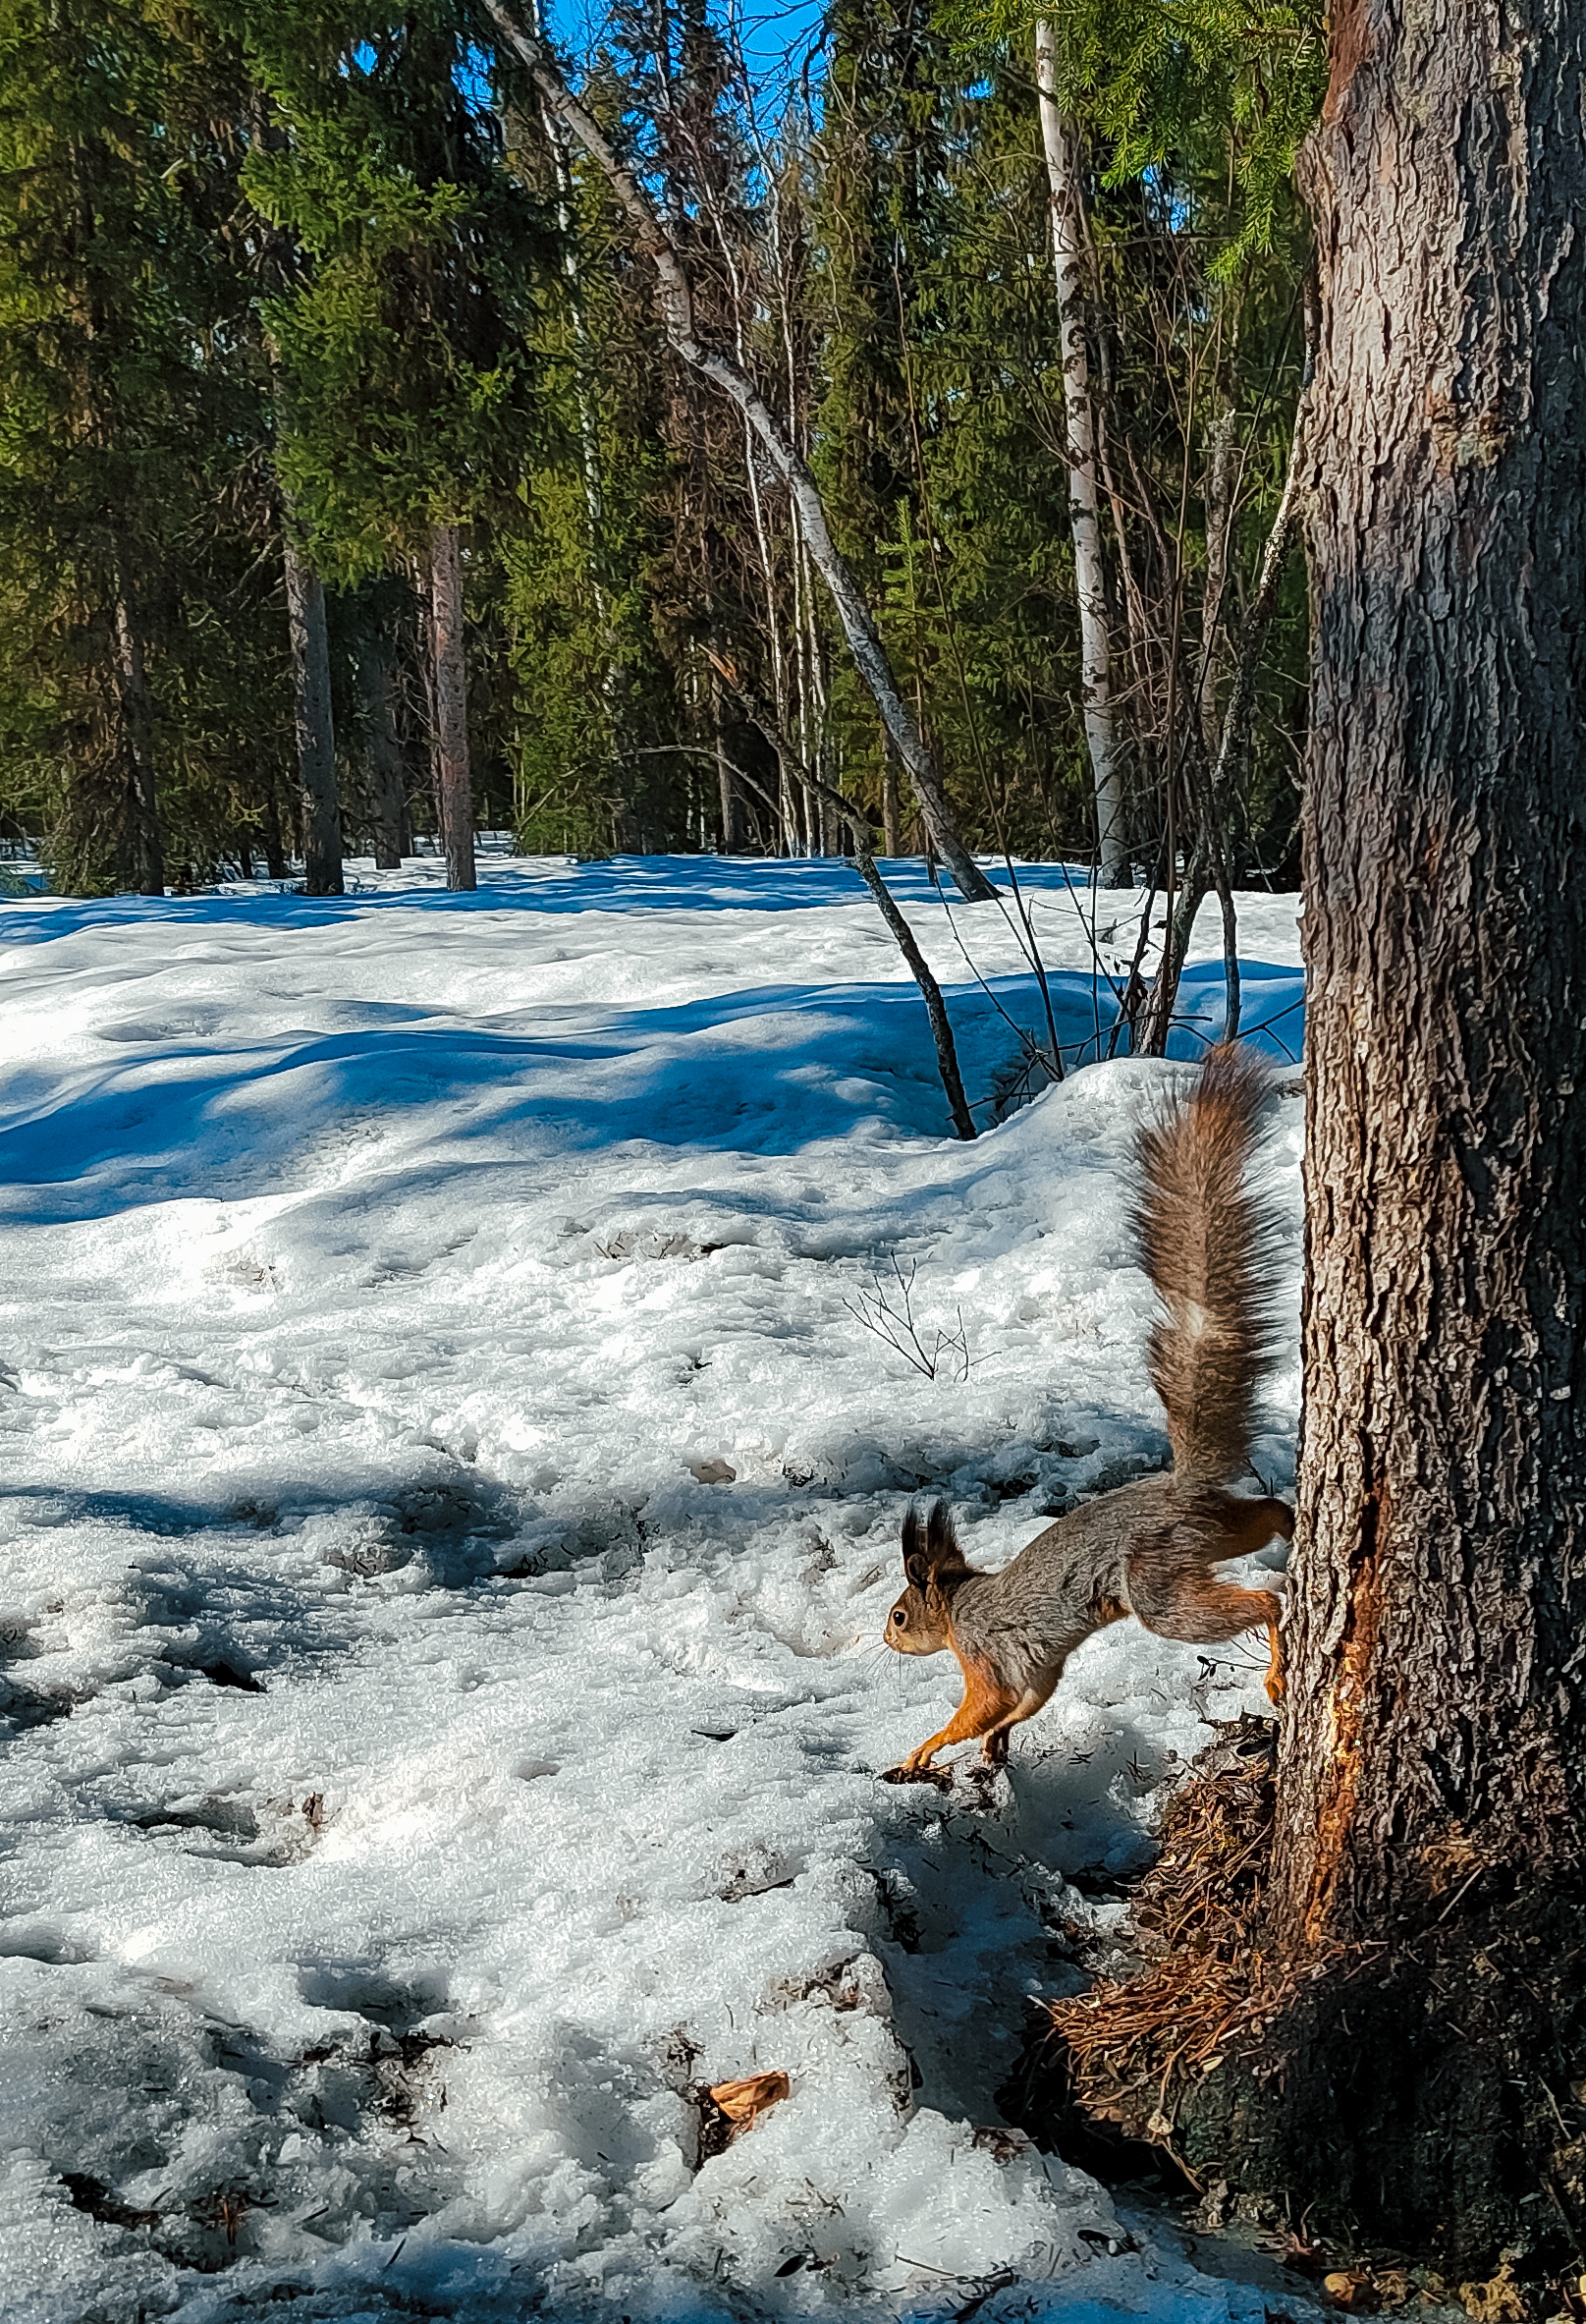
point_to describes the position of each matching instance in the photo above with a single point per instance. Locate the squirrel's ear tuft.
(942, 1543)
(915, 1567)
(930, 1546)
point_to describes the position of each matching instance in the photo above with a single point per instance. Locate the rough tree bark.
(450, 700)
(678, 315)
(1060, 136)
(312, 724)
(1420, 2077)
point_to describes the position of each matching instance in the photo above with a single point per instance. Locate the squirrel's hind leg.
(1190, 1603)
(993, 1746)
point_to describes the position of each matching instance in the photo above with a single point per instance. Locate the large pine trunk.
(450, 694)
(1428, 1883)
(311, 720)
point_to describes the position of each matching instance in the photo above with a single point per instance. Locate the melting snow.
(451, 1500)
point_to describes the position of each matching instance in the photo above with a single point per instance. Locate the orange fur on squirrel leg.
(1249, 1526)
(994, 1750)
(1191, 1605)
(987, 1705)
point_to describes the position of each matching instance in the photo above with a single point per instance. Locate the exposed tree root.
(1411, 2120)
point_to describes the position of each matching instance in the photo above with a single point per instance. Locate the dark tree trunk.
(145, 860)
(1428, 1881)
(275, 853)
(386, 784)
(450, 694)
(891, 821)
(732, 805)
(311, 722)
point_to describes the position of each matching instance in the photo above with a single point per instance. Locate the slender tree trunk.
(1422, 2074)
(732, 805)
(1218, 502)
(676, 307)
(450, 699)
(387, 786)
(146, 857)
(1060, 136)
(793, 771)
(1214, 791)
(891, 820)
(311, 722)
(275, 854)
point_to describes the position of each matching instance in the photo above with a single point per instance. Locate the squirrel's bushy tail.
(1208, 1246)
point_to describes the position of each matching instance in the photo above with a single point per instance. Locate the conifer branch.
(678, 314)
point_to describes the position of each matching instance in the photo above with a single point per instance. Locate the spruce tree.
(128, 401)
(407, 380)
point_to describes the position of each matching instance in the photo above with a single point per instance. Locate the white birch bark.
(1059, 139)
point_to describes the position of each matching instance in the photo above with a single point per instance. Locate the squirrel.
(1148, 1548)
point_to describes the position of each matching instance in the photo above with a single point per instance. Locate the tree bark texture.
(891, 819)
(311, 722)
(864, 642)
(1428, 1864)
(1060, 136)
(732, 805)
(450, 700)
(1443, 1607)
(146, 857)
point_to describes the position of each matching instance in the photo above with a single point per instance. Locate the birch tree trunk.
(146, 857)
(450, 692)
(1060, 137)
(678, 315)
(312, 724)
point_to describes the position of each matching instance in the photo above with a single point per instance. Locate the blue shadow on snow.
(766, 1071)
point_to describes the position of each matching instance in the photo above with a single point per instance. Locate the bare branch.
(678, 314)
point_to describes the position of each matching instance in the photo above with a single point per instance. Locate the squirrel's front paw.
(906, 1772)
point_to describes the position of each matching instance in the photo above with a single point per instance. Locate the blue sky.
(776, 40)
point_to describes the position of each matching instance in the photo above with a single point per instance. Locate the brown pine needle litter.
(1133, 2046)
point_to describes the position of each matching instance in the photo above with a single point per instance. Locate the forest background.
(306, 306)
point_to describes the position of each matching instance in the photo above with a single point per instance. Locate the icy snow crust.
(418, 1780)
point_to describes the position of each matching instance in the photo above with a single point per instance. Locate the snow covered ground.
(450, 1499)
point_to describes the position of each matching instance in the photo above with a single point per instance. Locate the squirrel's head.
(933, 1566)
